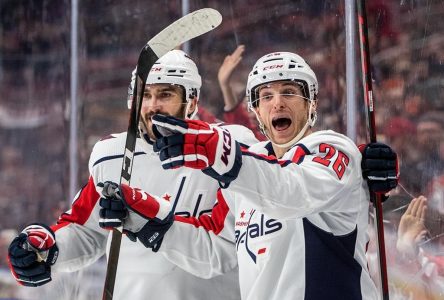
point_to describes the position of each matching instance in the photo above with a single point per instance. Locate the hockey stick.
(370, 116)
(190, 26)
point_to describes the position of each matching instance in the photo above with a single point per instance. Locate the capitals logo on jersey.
(255, 229)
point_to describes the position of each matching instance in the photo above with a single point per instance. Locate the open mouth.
(281, 124)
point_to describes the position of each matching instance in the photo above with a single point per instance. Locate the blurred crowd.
(407, 50)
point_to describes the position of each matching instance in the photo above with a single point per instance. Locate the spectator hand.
(411, 230)
(229, 64)
(196, 144)
(31, 255)
(379, 167)
(143, 216)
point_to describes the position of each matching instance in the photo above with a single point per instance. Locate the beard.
(147, 126)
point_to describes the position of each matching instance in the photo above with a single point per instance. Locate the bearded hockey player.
(78, 238)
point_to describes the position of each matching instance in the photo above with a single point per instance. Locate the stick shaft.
(371, 127)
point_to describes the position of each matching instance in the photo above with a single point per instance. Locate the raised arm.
(224, 77)
(312, 177)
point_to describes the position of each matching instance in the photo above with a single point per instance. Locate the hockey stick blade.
(180, 31)
(186, 28)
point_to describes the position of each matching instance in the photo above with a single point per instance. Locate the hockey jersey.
(299, 224)
(141, 273)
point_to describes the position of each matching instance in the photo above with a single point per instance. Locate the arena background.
(45, 143)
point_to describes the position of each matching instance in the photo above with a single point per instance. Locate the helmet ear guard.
(312, 116)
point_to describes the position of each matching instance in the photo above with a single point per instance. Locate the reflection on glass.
(407, 48)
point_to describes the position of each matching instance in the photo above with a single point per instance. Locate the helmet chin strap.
(311, 120)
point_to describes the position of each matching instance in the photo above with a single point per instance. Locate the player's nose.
(278, 101)
(150, 103)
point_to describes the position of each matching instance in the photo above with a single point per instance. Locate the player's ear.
(192, 105)
(314, 105)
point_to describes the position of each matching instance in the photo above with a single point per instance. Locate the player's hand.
(379, 167)
(142, 215)
(31, 255)
(198, 145)
(112, 208)
(152, 233)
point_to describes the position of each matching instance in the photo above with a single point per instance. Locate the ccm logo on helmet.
(156, 69)
(273, 67)
(226, 147)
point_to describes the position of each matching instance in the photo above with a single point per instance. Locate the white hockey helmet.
(175, 67)
(279, 66)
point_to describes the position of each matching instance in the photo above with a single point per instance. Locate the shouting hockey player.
(298, 202)
(173, 87)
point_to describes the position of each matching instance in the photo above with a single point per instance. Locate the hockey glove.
(31, 255)
(112, 209)
(143, 216)
(198, 145)
(379, 167)
(151, 235)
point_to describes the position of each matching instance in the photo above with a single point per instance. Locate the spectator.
(429, 130)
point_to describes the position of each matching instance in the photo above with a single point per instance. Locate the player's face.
(282, 109)
(166, 99)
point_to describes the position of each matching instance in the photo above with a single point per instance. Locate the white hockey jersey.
(299, 223)
(141, 273)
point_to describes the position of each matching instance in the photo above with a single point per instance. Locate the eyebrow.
(167, 89)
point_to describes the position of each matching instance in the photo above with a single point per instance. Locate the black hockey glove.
(31, 255)
(113, 211)
(151, 235)
(379, 167)
(143, 216)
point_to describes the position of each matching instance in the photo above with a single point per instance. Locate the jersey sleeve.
(80, 239)
(203, 246)
(312, 178)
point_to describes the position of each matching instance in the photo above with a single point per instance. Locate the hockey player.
(77, 239)
(295, 208)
